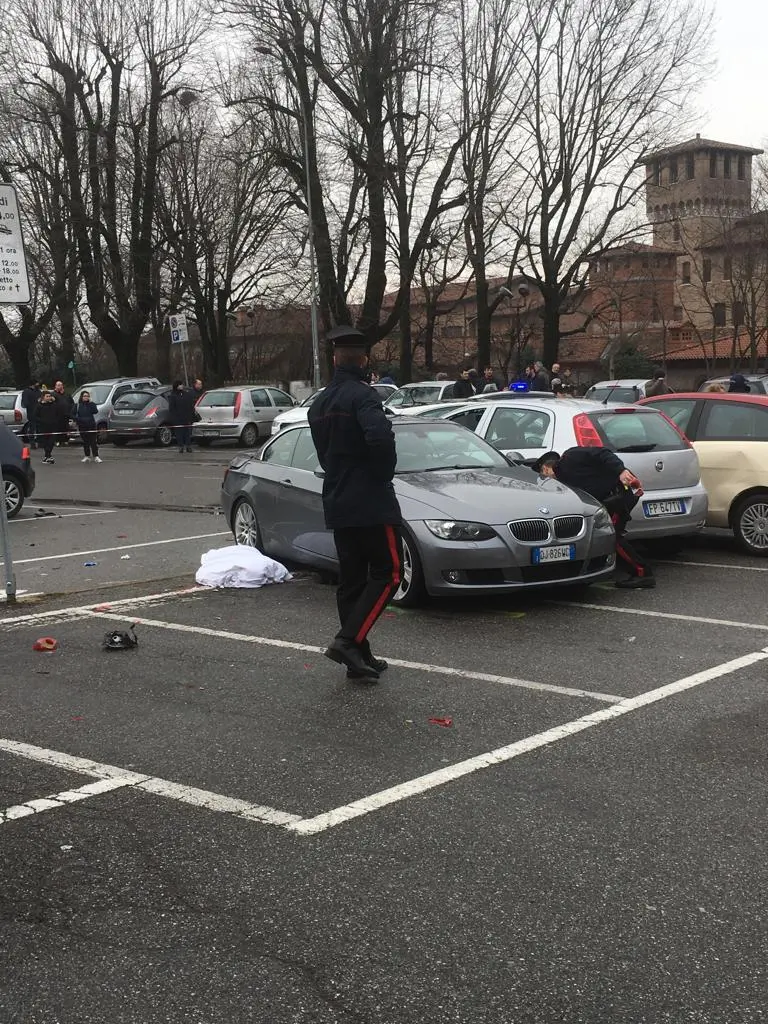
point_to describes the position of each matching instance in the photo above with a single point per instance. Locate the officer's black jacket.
(356, 447)
(594, 470)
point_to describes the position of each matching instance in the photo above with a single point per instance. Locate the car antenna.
(613, 388)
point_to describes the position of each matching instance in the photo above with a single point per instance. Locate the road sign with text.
(14, 279)
(178, 325)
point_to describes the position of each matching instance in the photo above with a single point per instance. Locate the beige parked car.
(730, 435)
(242, 413)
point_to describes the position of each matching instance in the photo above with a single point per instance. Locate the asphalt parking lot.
(549, 809)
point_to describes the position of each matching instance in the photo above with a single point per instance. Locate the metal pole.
(311, 242)
(184, 364)
(5, 543)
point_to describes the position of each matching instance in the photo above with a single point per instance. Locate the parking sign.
(178, 324)
(14, 279)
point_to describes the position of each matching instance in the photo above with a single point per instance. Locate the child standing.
(85, 417)
(47, 424)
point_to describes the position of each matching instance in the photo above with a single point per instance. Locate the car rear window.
(218, 399)
(7, 401)
(134, 400)
(99, 393)
(636, 431)
(613, 395)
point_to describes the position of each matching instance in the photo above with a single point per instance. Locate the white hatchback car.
(674, 503)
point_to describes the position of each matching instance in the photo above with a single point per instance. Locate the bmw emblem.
(544, 511)
(659, 465)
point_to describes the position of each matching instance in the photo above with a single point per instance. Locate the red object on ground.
(46, 643)
(445, 722)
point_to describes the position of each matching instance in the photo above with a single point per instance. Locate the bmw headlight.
(451, 529)
(602, 519)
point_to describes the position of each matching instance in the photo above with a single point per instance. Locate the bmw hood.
(491, 496)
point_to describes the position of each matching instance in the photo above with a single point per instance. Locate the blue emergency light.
(518, 385)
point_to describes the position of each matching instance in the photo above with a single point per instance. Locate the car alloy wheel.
(751, 524)
(14, 497)
(164, 436)
(411, 591)
(245, 525)
(249, 436)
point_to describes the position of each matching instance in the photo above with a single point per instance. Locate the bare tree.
(105, 70)
(609, 80)
(225, 212)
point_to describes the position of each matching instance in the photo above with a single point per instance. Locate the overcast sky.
(734, 107)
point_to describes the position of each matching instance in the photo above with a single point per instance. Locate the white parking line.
(69, 796)
(111, 777)
(78, 611)
(339, 815)
(62, 515)
(677, 616)
(444, 670)
(122, 547)
(712, 565)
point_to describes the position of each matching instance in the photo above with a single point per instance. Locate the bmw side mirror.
(320, 474)
(514, 458)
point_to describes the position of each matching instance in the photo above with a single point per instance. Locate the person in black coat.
(463, 386)
(602, 474)
(181, 405)
(65, 407)
(355, 446)
(85, 417)
(30, 399)
(48, 420)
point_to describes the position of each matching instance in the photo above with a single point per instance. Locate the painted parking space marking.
(54, 513)
(445, 670)
(122, 547)
(677, 616)
(80, 611)
(68, 796)
(339, 815)
(713, 565)
(111, 777)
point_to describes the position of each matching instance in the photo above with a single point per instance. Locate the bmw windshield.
(429, 446)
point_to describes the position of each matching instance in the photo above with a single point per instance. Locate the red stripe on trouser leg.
(623, 554)
(389, 589)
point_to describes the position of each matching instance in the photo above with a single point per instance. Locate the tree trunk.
(483, 321)
(551, 328)
(406, 345)
(18, 355)
(163, 351)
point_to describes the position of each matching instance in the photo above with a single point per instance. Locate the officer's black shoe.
(378, 664)
(636, 583)
(347, 652)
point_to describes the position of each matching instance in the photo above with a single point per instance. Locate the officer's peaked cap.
(346, 336)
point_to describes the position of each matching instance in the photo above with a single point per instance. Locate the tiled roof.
(698, 143)
(696, 351)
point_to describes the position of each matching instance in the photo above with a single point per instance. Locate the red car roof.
(707, 396)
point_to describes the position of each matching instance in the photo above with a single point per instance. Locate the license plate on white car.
(672, 507)
(207, 433)
(562, 553)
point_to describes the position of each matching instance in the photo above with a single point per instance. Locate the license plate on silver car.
(561, 553)
(207, 433)
(671, 507)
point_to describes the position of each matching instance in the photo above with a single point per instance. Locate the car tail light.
(586, 432)
(153, 410)
(238, 403)
(677, 430)
(25, 453)
(17, 417)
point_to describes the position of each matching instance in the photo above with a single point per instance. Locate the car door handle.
(286, 483)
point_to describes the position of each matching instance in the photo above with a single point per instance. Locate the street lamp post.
(311, 243)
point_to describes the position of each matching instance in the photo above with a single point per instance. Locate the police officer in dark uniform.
(602, 474)
(356, 447)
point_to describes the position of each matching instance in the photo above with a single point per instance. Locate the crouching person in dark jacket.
(356, 447)
(602, 474)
